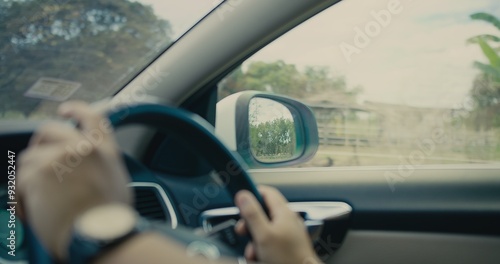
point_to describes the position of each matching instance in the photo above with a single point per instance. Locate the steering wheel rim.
(197, 135)
(182, 124)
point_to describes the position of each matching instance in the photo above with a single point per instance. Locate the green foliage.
(285, 79)
(485, 37)
(275, 139)
(487, 18)
(277, 77)
(96, 43)
(489, 70)
(486, 88)
(486, 96)
(491, 53)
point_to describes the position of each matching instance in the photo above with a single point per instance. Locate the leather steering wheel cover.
(183, 125)
(197, 134)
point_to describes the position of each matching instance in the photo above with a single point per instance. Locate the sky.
(419, 58)
(263, 110)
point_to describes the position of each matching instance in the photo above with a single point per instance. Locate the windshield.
(52, 51)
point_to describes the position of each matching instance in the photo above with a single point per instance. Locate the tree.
(276, 77)
(486, 95)
(285, 79)
(486, 87)
(96, 43)
(274, 139)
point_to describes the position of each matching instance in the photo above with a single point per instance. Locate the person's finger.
(25, 157)
(52, 132)
(300, 219)
(274, 200)
(250, 210)
(250, 252)
(88, 119)
(29, 162)
(34, 159)
(20, 208)
(240, 228)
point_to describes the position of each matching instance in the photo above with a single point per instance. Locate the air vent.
(149, 204)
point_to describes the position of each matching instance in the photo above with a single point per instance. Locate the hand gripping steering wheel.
(197, 135)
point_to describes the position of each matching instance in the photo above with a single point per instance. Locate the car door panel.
(452, 218)
(380, 247)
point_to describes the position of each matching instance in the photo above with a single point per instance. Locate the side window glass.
(391, 82)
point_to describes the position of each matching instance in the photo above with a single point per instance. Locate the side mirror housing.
(267, 130)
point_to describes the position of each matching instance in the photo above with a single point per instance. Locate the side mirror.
(267, 130)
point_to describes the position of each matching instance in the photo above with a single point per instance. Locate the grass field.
(328, 156)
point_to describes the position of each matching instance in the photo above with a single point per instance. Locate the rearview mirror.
(267, 130)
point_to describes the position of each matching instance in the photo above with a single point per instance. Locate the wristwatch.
(100, 229)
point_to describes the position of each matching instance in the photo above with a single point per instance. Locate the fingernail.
(237, 226)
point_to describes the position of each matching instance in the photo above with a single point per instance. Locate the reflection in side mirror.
(267, 130)
(273, 136)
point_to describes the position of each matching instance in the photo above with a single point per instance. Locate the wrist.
(312, 260)
(95, 230)
(63, 229)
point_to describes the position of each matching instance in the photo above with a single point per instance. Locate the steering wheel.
(198, 136)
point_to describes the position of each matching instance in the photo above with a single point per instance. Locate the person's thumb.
(253, 214)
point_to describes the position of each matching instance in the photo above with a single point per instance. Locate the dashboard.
(173, 186)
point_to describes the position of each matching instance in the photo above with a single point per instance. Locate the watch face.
(107, 222)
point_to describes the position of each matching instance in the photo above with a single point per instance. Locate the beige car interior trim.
(374, 247)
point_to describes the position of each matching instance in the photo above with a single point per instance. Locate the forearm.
(152, 248)
(157, 249)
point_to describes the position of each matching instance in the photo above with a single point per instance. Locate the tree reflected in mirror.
(272, 131)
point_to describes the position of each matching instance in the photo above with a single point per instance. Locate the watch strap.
(84, 250)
